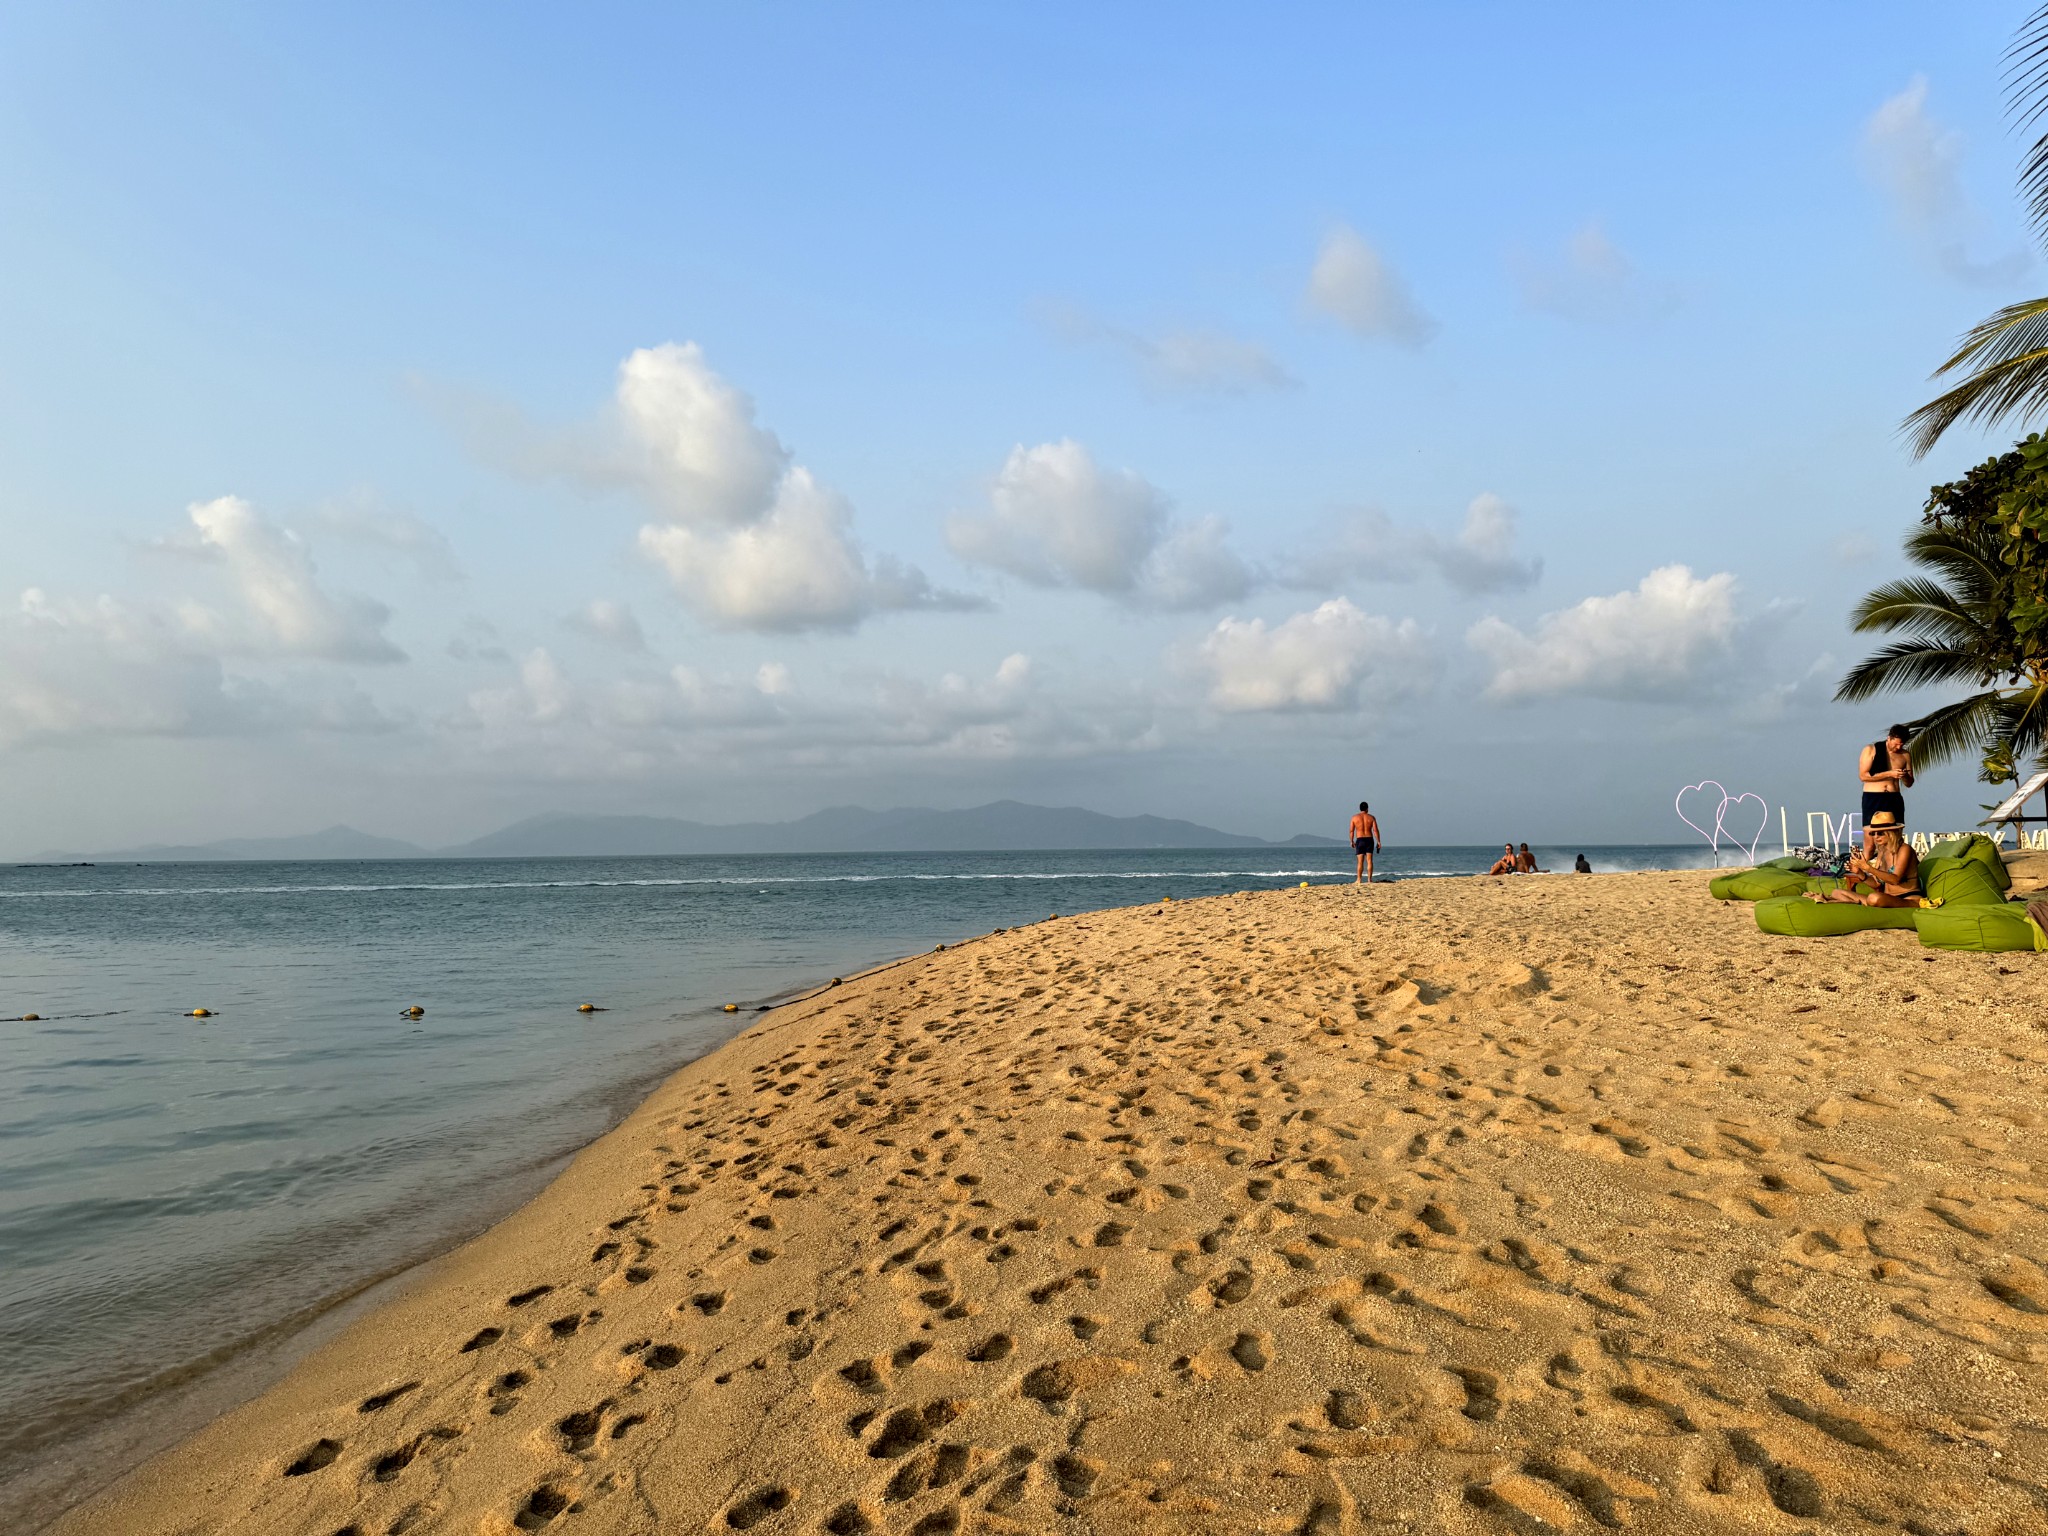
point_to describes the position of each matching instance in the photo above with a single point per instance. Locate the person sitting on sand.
(1580, 866)
(1885, 767)
(1525, 863)
(1505, 864)
(1365, 840)
(1891, 869)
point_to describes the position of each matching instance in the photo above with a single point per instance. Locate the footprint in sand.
(386, 1398)
(321, 1453)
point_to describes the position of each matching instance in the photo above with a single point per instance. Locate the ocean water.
(175, 1191)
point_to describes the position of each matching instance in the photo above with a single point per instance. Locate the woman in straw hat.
(1891, 869)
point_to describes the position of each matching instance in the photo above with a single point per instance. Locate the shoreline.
(303, 1340)
(417, 1325)
(153, 1417)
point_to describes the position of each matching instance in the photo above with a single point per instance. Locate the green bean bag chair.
(1796, 917)
(1980, 849)
(1824, 883)
(1960, 882)
(1985, 852)
(1756, 884)
(1791, 861)
(1988, 928)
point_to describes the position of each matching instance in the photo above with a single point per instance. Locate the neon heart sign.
(1720, 821)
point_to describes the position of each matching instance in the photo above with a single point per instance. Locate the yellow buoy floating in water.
(30, 1018)
(200, 1013)
(414, 1012)
(586, 1007)
(732, 1007)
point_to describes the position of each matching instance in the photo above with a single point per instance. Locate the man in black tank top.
(1885, 767)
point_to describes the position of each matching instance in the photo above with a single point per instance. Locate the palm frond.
(2008, 356)
(1907, 665)
(2026, 84)
(1955, 730)
(1919, 604)
(1971, 558)
(2025, 724)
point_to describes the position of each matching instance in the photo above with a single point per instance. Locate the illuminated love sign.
(1727, 803)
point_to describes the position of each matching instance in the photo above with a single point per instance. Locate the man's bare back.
(1365, 841)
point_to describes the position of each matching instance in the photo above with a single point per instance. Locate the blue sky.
(1216, 412)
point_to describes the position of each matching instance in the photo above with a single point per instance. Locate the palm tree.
(2006, 355)
(1958, 625)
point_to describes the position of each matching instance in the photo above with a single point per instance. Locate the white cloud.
(795, 567)
(721, 724)
(750, 540)
(103, 668)
(365, 519)
(110, 668)
(613, 623)
(1661, 642)
(1371, 546)
(1057, 519)
(1591, 279)
(1353, 284)
(285, 610)
(1482, 557)
(1192, 567)
(1178, 361)
(748, 537)
(1917, 162)
(272, 572)
(1333, 657)
(1915, 159)
(703, 451)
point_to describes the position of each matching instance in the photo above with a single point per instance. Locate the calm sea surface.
(174, 1190)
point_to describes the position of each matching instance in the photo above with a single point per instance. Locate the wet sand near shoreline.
(1455, 1205)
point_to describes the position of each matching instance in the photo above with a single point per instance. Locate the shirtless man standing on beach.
(1365, 841)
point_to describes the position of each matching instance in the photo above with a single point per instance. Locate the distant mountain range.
(1002, 826)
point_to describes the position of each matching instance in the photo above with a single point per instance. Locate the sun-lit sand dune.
(1458, 1205)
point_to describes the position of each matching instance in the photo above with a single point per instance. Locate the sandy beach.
(1453, 1205)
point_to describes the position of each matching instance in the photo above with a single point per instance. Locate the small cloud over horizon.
(1178, 361)
(1916, 160)
(1352, 284)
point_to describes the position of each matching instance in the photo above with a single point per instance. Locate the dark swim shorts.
(1875, 800)
(1361, 845)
